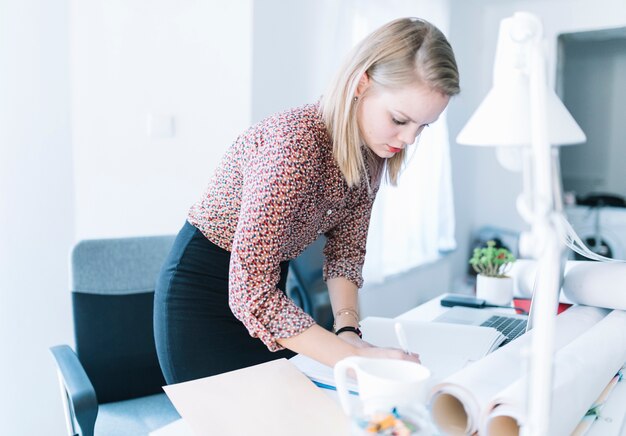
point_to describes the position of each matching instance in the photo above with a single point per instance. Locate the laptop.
(510, 325)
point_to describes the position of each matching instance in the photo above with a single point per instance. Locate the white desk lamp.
(522, 111)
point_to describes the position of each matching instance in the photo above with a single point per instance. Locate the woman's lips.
(394, 149)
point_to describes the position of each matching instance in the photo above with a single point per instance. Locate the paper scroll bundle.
(489, 395)
(590, 347)
(595, 284)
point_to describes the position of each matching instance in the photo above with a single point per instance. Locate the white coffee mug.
(382, 384)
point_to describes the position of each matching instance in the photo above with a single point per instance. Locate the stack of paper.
(319, 373)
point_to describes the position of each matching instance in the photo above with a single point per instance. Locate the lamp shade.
(503, 118)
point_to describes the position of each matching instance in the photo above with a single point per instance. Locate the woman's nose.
(408, 136)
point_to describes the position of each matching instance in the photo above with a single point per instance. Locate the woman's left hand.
(354, 339)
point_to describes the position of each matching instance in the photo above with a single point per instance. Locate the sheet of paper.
(319, 373)
(444, 348)
(271, 398)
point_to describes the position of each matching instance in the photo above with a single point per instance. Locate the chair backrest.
(112, 284)
(305, 283)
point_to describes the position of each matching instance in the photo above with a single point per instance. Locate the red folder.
(524, 303)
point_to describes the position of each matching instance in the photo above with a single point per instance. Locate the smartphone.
(462, 300)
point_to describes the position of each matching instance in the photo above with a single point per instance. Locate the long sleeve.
(275, 185)
(345, 246)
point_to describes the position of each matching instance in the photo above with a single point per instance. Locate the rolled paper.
(523, 273)
(596, 284)
(582, 370)
(458, 402)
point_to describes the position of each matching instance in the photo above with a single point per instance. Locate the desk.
(612, 422)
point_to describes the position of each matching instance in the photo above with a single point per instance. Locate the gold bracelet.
(350, 312)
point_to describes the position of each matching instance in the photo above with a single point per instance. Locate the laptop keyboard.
(511, 328)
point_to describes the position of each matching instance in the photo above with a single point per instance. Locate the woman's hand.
(365, 349)
(388, 353)
(354, 339)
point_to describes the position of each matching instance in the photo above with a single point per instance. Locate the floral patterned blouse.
(275, 191)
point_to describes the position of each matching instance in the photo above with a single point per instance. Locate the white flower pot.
(496, 290)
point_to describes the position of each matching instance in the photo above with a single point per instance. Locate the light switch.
(160, 125)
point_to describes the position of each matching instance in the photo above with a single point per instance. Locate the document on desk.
(443, 347)
(272, 398)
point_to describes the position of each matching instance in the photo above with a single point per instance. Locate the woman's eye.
(398, 122)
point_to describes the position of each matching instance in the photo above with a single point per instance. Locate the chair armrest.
(81, 395)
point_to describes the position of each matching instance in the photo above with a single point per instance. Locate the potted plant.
(492, 264)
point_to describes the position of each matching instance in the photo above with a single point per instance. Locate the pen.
(331, 387)
(401, 335)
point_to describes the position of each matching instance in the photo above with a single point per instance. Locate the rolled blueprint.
(596, 284)
(523, 273)
(590, 283)
(582, 370)
(458, 402)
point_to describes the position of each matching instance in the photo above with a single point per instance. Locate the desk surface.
(611, 423)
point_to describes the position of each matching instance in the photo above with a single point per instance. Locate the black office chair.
(306, 286)
(112, 383)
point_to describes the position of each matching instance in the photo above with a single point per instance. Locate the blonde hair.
(402, 52)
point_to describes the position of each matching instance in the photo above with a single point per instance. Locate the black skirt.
(196, 333)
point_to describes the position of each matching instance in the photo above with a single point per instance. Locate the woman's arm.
(344, 299)
(328, 348)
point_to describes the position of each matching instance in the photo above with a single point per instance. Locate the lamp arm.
(548, 249)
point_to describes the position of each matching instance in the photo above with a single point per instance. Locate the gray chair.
(112, 384)
(306, 286)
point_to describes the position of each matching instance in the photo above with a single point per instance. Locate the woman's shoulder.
(298, 130)
(297, 124)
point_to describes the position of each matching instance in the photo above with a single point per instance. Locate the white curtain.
(412, 223)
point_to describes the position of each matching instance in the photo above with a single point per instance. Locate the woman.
(220, 303)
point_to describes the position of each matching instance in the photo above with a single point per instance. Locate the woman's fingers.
(389, 353)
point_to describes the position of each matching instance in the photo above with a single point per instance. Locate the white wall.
(190, 60)
(36, 211)
(77, 80)
(297, 48)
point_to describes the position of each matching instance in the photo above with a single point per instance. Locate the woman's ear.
(364, 83)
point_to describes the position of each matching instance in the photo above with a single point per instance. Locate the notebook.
(510, 325)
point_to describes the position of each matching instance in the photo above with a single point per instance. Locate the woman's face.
(390, 119)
